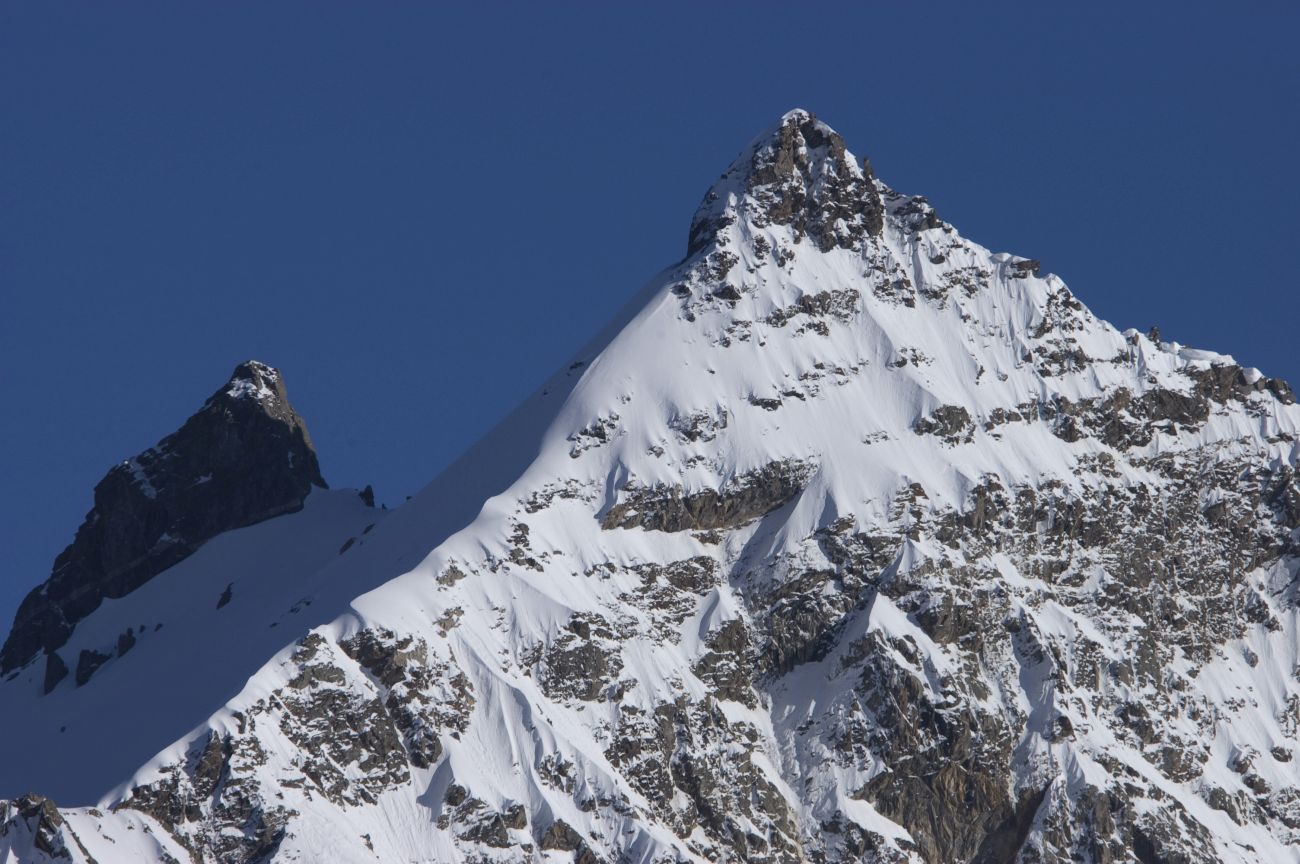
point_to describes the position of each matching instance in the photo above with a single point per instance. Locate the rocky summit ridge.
(244, 457)
(852, 541)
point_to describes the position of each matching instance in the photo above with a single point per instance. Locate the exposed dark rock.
(914, 212)
(1224, 382)
(800, 176)
(583, 663)
(1121, 419)
(424, 696)
(946, 621)
(748, 497)
(802, 618)
(699, 425)
(245, 456)
(55, 670)
(948, 790)
(125, 641)
(1064, 729)
(211, 764)
(1024, 268)
(1158, 839)
(1003, 842)
(693, 575)
(490, 831)
(44, 824)
(691, 752)
(840, 304)
(451, 575)
(87, 662)
(1281, 390)
(952, 423)
(669, 593)
(600, 431)
(561, 836)
(515, 817)
(352, 749)
(728, 666)
(238, 824)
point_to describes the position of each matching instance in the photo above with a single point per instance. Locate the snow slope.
(189, 655)
(853, 540)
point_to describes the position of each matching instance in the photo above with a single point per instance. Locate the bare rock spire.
(245, 456)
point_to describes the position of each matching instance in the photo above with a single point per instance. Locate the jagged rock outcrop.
(245, 456)
(36, 817)
(746, 498)
(800, 176)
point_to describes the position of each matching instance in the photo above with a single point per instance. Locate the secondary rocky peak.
(245, 456)
(800, 174)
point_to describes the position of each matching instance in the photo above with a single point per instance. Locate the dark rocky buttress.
(245, 456)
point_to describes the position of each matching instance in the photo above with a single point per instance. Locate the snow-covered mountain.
(850, 541)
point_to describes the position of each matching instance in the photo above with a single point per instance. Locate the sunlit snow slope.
(854, 541)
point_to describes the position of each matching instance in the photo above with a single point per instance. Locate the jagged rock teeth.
(800, 175)
(745, 499)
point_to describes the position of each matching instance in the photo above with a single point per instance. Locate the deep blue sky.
(418, 211)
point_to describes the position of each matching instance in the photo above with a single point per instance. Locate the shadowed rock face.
(245, 456)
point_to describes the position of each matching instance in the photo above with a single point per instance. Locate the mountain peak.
(853, 541)
(259, 386)
(245, 456)
(797, 173)
(256, 380)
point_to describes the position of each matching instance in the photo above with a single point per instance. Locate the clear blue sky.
(417, 211)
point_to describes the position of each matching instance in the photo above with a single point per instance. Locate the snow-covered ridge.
(852, 541)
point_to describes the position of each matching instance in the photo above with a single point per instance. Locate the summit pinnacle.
(799, 174)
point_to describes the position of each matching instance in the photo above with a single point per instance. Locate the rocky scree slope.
(854, 541)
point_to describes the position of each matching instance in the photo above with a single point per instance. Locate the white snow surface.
(189, 656)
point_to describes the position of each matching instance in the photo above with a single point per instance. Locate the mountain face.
(245, 456)
(852, 541)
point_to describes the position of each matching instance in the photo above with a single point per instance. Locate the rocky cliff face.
(858, 542)
(245, 456)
